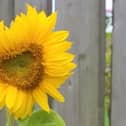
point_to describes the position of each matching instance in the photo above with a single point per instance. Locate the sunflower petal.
(42, 14)
(57, 70)
(52, 20)
(31, 11)
(11, 96)
(57, 48)
(56, 37)
(21, 112)
(55, 81)
(19, 101)
(29, 105)
(41, 98)
(63, 57)
(53, 92)
(3, 88)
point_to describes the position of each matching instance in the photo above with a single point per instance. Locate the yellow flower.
(34, 62)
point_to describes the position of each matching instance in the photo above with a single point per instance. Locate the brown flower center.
(23, 71)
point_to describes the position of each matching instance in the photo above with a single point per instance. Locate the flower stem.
(9, 119)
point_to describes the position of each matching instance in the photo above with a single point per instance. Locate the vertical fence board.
(6, 14)
(84, 91)
(118, 115)
(6, 10)
(20, 5)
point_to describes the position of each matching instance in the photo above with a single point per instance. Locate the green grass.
(106, 112)
(107, 80)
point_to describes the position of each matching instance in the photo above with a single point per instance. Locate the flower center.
(23, 71)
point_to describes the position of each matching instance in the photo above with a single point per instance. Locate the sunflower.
(34, 62)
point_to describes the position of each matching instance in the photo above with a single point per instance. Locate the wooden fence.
(84, 92)
(118, 117)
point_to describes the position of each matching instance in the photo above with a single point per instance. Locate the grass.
(107, 80)
(107, 112)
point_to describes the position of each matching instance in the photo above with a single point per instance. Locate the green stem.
(9, 119)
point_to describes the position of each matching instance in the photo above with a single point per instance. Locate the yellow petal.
(52, 20)
(46, 25)
(56, 37)
(59, 70)
(29, 105)
(31, 11)
(19, 101)
(21, 112)
(63, 57)
(11, 96)
(57, 48)
(53, 92)
(55, 81)
(3, 88)
(41, 98)
(42, 14)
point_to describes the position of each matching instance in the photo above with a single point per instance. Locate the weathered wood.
(6, 10)
(2, 118)
(20, 5)
(84, 92)
(118, 115)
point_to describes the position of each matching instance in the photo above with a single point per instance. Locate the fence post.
(118, 115)
(84, 92)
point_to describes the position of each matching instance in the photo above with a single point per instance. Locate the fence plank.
(20, 5)
(84, 92)
(6, 10)
(118, 115)
(6, 14)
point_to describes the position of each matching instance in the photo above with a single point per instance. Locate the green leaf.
(42, 118)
